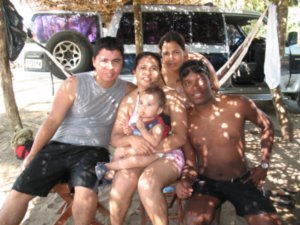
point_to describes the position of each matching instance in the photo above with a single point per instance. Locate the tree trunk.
(282, 115)
(6, 78)
(281, 112)
(138, 26)
(282, 23)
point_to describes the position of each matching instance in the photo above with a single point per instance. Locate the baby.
(150, 125)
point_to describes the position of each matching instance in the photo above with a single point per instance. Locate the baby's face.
(149, 106)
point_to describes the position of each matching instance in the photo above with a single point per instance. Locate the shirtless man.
(216, 138)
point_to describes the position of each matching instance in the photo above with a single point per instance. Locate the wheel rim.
(68, 54)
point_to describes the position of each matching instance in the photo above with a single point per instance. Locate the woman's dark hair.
(172, 36)
(146, 54)
(109, 43)
(156, 90)
(193, 66)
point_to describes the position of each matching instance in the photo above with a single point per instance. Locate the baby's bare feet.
(110, 175)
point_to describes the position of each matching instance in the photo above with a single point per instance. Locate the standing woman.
(173, 54)
(152, 179)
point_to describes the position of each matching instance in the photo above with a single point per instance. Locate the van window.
(126, 29)
(182, 24)
(155, 26)
(204, 28)
(45, 25)
(129, 60)
(233, 35)
(208, 28)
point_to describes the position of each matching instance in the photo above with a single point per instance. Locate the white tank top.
(90, 120)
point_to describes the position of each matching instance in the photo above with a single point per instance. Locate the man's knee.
(85, 196)
(200, 209)
(196, 218)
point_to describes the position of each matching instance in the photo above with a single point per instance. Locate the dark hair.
(109, 43)
(193, 66)
(156, 90)
(172, 36)
(145, 54)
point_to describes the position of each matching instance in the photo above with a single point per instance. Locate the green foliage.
(256, 5)
(293, 19)
(294, 2)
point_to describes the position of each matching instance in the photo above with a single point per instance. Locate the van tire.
(72, 50)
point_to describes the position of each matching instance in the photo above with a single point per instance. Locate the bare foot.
(110, 175)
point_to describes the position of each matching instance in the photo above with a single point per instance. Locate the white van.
(215, 33)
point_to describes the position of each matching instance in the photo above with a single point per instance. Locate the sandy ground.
(33, 96)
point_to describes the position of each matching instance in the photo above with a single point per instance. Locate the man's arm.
(259, 118)
(62, 102)
(189, 172)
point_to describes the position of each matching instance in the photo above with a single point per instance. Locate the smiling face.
(147, 72)
(108, 65)
(172, 56)
(197, 88)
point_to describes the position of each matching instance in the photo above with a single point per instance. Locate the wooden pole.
(6, 78)
(138, 26)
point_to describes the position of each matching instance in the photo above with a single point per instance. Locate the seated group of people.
(170, 127)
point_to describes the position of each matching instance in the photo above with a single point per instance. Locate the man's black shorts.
(246, 197)
(60, 162)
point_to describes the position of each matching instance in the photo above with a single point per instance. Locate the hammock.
(224, 73)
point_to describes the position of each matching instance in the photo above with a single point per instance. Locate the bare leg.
(263, 219)
(84, 205)
(150, 188)
(200, 209)
(140, 161)
(14, 208)
(123, 186)
(119, 153)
